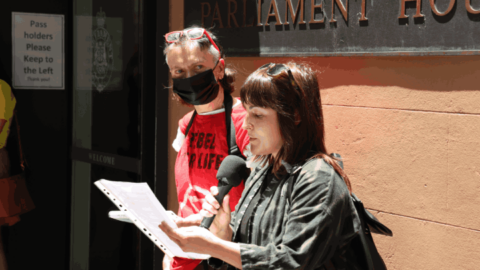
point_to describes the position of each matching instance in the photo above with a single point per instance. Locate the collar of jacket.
(291, 168)
(255, 177)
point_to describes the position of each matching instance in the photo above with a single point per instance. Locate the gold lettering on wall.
(219, 18)
(435, 10)
(294, 14)
(245, 15)
(297, 14)
(417, 15)
(342, 8)
(232, 14)
(203, 12)
(259, 13)
(364, 6)
(273, 5)
(468, 4)
(312, 12)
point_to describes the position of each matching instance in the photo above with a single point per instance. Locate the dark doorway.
(112, 105)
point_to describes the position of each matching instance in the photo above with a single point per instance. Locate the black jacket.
(310, 230)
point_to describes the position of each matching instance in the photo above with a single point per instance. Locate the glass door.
(106, 129)
(120, 111)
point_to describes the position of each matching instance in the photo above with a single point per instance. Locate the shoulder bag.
(365, 250)
(14, 196)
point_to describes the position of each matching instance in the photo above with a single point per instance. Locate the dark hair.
(204, 44)
(302, 141)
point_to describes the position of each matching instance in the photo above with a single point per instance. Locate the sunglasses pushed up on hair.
(275, 70)
(192, 34)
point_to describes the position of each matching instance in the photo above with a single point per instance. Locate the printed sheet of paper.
(142, 205)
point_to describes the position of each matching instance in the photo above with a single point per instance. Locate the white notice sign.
(38, 51)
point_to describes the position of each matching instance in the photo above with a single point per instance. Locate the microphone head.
(233, 170)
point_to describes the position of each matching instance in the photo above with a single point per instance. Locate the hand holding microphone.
(230, 174)
(221, 215)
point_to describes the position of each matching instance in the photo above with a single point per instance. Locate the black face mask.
(199, 89)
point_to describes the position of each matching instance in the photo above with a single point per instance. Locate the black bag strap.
(372, 258)
(190, 123)
(23, 161)
(231, 133)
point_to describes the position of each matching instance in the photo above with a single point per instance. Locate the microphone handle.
(222, 191)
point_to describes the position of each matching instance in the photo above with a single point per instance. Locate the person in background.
(201, 80)
(7, 106)
(310, 227)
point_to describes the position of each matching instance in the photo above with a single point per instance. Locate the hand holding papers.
(139, 204)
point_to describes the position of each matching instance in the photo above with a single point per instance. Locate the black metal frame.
(161, 15)
(145, 247)
(154, 116)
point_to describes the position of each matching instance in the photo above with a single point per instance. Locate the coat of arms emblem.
(102, 54)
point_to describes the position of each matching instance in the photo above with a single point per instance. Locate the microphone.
(232, 171)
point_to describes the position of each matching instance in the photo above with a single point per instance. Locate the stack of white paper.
(140, 205)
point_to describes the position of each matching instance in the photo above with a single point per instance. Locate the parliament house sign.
(340, 27)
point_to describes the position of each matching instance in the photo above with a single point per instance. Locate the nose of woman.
(246, 123)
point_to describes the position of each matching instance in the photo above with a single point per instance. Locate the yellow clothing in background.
(7, 105)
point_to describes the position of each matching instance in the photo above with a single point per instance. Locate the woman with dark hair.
(207, 134)
(296, 211)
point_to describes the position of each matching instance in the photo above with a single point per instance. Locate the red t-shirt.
(198, 160)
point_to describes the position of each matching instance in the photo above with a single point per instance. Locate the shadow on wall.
(431, 73)
(428, 83)
(437, 73)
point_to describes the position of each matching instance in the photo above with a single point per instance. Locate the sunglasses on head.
(274, 70)
(192, 34)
